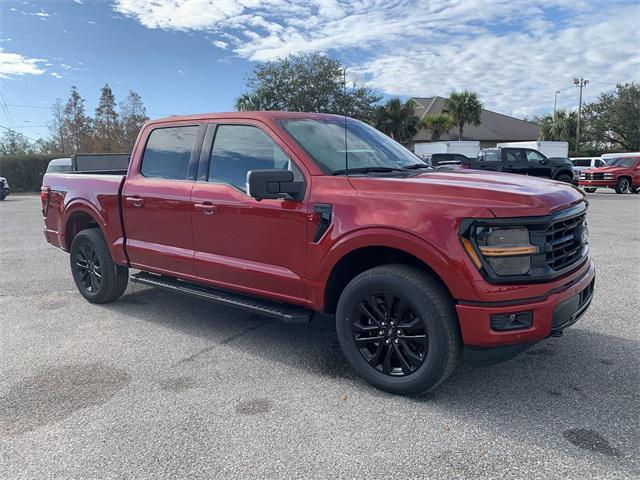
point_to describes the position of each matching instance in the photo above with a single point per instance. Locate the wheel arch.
(380, 246)
(79, 216)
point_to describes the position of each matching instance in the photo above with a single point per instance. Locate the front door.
(239, 242)
(157, 202)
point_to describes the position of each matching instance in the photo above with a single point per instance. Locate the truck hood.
(505, 195)
(612, 169)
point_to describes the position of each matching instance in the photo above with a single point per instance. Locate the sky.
(191, 56)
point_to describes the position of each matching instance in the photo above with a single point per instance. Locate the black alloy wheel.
(89, 266)
(390, 336)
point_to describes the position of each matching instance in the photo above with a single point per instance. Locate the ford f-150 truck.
(293, 214)
(622, 174)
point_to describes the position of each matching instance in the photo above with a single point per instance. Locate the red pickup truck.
(622, 174)
(294, 214)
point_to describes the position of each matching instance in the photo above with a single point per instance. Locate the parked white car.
(4, 188)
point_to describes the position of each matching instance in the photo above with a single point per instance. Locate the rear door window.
(168, 152)
(489, 156)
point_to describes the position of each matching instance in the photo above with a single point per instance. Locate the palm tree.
(252, 102)
(438, 125)
(397, 119)
(464, 107)
(559, 127)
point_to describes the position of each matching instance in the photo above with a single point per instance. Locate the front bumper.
(597, 183)
(558, 309)
(4, 191)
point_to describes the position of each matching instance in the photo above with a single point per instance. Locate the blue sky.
(187, 56)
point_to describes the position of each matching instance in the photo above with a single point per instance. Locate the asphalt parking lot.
(159, 385)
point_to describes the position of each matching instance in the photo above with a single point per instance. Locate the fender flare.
(449, 271)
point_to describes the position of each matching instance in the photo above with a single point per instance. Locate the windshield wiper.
(366, 170)
(416, 166)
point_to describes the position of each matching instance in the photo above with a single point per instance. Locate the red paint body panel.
(266, 249)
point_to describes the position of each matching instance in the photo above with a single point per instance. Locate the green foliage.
(438, 125)
(397, 119)
(464, 107)
(309, 82)
(24, 172)
(614, 119)
(560, 127)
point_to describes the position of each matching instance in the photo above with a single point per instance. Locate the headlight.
(583, 175)
(507, 250)
(608, 176)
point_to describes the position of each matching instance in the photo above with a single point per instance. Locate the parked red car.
(622, 174)
(290, 214)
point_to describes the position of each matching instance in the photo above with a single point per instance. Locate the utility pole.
(580, 83)
(555, 102)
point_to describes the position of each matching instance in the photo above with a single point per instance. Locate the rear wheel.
(97, 277)
(589, 189)
(398, 329)
(623, 185)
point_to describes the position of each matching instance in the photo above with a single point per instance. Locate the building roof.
(493, 126)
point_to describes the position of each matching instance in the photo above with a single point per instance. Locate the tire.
(418, 304)
(563, 177)
(623, 185)
(590, 189)
(97, 277)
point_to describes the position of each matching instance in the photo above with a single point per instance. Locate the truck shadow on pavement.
(563, 384)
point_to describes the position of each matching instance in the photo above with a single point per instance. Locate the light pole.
(555, 102)
(580, 83)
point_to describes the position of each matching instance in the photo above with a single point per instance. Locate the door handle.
(206, 208)
(136, 202)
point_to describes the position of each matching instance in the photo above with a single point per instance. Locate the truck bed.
(76, 193)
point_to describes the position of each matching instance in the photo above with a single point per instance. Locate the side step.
(282, 311)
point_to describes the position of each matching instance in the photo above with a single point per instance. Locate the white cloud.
(14, 64)
(79, 2)
(56, 75)
(181, 72)
(515, 53)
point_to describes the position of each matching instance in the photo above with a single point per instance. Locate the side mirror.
(273, 184)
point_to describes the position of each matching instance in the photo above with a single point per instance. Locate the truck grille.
(594, 176)
(563, 243)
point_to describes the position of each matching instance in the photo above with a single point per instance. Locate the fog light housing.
(511, 321)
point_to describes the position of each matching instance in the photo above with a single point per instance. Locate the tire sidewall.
(93, 238)
(430, 371)
(564, 178)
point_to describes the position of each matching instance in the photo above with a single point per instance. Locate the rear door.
(157, 201)
(514, 160)
(254, 246)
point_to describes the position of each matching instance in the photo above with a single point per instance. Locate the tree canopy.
(560, 127)
(397, 119)
(308, 82)
(464, 107)
(614, 119)
(438, 125)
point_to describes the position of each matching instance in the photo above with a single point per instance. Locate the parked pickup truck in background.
(524, 161)
(293, 214)
(622, 174)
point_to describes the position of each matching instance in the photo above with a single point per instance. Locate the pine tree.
(107, 127)
(76, 123)
(133, 115)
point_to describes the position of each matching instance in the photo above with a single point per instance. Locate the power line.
(13, 129)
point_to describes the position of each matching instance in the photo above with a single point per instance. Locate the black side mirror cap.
(273, 184)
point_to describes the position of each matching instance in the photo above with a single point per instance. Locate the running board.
(282, 311)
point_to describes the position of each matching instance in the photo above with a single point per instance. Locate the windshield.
(361, 147)
(626, 162)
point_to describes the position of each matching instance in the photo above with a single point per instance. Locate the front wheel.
(564, 178)
(623, 185)
(397, 327)
(97, 277)
(589, 189)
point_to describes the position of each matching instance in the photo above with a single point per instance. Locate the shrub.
(24, 172)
